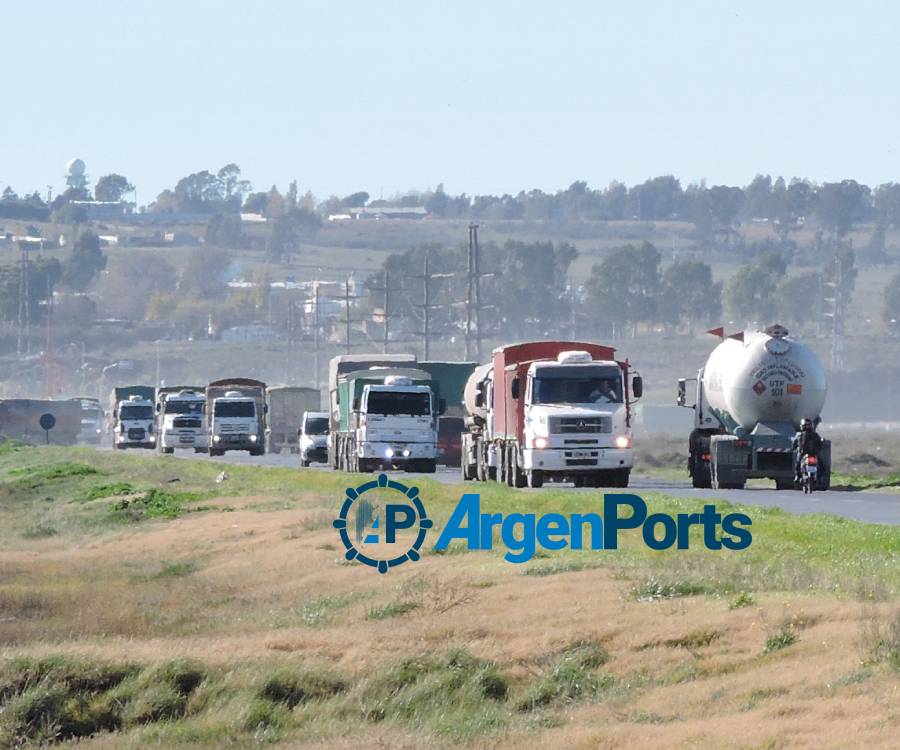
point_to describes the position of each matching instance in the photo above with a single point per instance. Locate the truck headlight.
(153, 438)
(406, 452)
(253, 438)
(540, 442)
(623, 441)
(389, 452)
(216, 438)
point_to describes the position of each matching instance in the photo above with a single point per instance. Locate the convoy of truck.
(542, 411)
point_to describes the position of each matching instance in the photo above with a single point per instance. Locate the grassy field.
(145, 604)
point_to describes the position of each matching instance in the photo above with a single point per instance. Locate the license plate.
(581, 454)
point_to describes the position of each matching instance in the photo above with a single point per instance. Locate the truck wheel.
(215, 452)
(578, 480)
(304, 463)
(167, 451)
(428, 466)
(257, 451)
(535, 479)
(784, 484)
(622, 477)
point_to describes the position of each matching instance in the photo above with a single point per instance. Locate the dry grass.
(260, 597)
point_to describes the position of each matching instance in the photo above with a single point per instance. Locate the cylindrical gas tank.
(768, 377)
(472, 385)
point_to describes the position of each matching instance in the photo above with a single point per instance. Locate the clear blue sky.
(486, 97)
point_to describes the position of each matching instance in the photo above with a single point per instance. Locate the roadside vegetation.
(144, 604)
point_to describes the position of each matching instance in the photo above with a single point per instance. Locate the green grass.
(785, 637)
(386, 611)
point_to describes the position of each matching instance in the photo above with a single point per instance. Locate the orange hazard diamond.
(759, 388)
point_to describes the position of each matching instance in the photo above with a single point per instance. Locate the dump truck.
(284, 417)
(552, 410)
(181, 418)
(20, 419)
(751, 395)
(387, 418)
(132, 416)
(236, 416)
(344, 364)
(91, 431)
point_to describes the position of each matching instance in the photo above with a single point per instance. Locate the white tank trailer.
(751, 396)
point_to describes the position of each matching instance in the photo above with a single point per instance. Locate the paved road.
(871, 507)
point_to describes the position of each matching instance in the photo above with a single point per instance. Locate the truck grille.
(190, 422)
(135, 433)
(569, 425)
(234, 428)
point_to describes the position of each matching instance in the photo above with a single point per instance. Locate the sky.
(484, 97)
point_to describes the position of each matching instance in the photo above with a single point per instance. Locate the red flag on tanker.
(720, 332)
(737, 336)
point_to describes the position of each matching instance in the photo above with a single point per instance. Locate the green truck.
(451, 378)
(383, 417)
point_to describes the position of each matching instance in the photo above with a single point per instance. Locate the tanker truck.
(551, 410)
(751, 395)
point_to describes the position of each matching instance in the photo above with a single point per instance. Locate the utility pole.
(426, 301)
(49, 384)
(387, 307)
(23, 339)
(316, 328)
(473, 295)
(347, 306)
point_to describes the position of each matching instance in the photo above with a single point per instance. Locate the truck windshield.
(316, 426)
(184, 407)
(392, 403)
(235, 409)
(136, 412)
(578, 390)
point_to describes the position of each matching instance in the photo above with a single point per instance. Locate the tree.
(799, 301)
(891, 310)
(85, 262)
(69, 213)
(232, 187)
(748, 294)
(623, 289)
(205, 272)
(291, 229)
(689, 294)
(112, 187)
(224, 230)
(841, 204)
(43, 275)
(132, 280)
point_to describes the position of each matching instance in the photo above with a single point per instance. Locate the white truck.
(313, 440)
(751, 396)
(180, 419)
(284, 416)
(235, 415)
(551, 411)
(132, 415)
(387, 418)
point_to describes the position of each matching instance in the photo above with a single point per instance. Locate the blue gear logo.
(370, 524)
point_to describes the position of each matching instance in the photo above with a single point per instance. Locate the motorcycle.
(809, 474)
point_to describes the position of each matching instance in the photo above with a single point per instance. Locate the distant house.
(388, 212)
(105, 210)
(252, 332)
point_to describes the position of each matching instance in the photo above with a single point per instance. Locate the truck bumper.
(183, 440)
(319, 455)
(397, 452)
(234, 443)
(574, 461)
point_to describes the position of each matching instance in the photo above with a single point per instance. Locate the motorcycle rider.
(807, 442)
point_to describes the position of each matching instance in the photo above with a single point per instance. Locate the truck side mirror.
(442, 406)
(356, 404)
(682, 392)
(479, 400)
(637, 386)
(514, 389)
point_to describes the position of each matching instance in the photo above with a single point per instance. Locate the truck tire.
(167, 451)
(257, 451)
(535, 479)
(428, 466)
(519, 479)
(621, 477)
(216, 452)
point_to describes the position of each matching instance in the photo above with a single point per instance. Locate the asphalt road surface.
(871, 507)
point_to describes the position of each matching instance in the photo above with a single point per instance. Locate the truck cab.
(235, 425)
(134, 424)
(397, 426)
(313, 437)
(576, 420)
(181, 422)
(91, 430)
